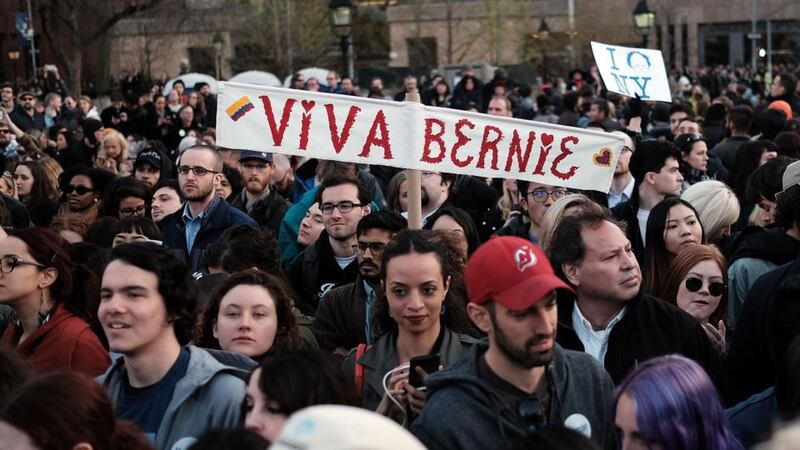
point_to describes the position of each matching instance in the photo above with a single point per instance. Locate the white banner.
(629, 71)
(412, 136)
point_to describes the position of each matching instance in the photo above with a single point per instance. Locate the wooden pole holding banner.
(414, 179)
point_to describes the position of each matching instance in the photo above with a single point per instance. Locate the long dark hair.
(463, 219)
(298, 379)
(657, 259)
(40, 190)
(423, 242)
(76, 287)
(745, 162)
(287, 336)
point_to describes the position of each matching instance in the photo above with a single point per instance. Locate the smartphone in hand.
(429, 363)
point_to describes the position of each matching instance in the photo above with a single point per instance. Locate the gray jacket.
(209, 397)
(462, 413)
(381, 357)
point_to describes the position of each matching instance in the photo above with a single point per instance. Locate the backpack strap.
(360, 373)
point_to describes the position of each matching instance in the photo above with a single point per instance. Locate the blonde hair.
(507, 202)
(8, 177)
(552, 217)
(121, 160)
(716, 204)
(53, 170)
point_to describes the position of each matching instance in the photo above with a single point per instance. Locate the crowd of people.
(160, 292)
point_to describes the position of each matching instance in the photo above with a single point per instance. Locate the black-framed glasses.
(694, 284)
(9, 263)
(127, 212)
(198, 171)
(541, 195)
(376, 248)
(80, 190)
(343, 207)
(530, 411)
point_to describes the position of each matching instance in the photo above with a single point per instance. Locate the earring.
(443, 309)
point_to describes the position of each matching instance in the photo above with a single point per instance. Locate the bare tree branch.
(132, 8)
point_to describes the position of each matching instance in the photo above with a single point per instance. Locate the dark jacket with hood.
(462, 412)
(267, 211)
(649, 328)
(751, 361)
(219, 216)
(757, 250)
(315, 271)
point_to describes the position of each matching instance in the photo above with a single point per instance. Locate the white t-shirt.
(344, 261)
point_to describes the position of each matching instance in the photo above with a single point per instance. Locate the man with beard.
(623, 182)
(258, 199)
(331, 261)
(25, 116)
(344, 315)
(608, 315)
(205, 215)
(435, 191)
(521, 378)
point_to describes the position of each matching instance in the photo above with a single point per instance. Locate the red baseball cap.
(511, 271)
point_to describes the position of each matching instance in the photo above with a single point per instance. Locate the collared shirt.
(624, 196)
(248, 204)
(595, 342)
(193, 224)
(371, 300)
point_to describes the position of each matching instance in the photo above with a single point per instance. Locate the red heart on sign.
(547, 139)
(602, 157)
(308, 104)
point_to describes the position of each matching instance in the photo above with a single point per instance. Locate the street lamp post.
(643, 19)
(218, 42)
(342, 12)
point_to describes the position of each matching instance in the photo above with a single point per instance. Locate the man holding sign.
(413, 136)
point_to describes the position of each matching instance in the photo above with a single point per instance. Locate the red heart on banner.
(307, 104)
(547, 139)
(602, 157)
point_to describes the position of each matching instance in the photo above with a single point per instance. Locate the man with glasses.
(258, 199)
(205, 215)
(436, 188)
(622, 183)
(331, 261)
(519, 378)
(534, 198)
(344, 315)
(25, 116)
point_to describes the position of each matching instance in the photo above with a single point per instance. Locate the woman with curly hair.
(249, 313)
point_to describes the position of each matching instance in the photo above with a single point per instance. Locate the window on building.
(684, 44)
(422, 52)
(717, 49)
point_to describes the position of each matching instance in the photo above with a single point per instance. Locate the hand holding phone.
(428, 363)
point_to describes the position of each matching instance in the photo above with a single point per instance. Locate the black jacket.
(649, 328)
(17, 214)
(219, 217)
(728, 149)
(25, 122)
(267, 211)
(626, 212)
(315, 271)
(463, 413)
(341, 317)
(751, 359)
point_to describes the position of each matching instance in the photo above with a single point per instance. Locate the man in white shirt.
(622, 183)
(609, 316)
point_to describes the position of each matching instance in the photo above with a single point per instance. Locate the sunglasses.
(80, 190)
(715, 288)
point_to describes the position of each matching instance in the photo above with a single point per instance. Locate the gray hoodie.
(462, 413)
(209, 397)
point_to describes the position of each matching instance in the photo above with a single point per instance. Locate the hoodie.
(208, 397)
(463, 413)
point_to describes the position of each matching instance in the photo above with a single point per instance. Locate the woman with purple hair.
(670, 403)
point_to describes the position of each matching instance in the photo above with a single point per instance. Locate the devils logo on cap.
(525, 258)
